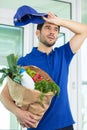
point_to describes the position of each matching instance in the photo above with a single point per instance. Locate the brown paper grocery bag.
(28, 99)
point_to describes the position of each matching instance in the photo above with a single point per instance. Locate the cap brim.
(35, 19)
(25, 16)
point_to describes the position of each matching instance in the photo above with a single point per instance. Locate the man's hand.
(26, 119)
(52, 18)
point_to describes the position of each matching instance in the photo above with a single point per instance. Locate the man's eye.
(47, 27)
(56, 30)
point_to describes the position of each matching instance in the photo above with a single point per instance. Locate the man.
(56, 63)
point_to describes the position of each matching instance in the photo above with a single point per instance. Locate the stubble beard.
(44, 42)
(47, 44)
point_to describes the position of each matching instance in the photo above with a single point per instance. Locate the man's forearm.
(7, 101)
(74, 26)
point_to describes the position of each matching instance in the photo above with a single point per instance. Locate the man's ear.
(37, 33)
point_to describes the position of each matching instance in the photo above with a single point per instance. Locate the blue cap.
(26, 14)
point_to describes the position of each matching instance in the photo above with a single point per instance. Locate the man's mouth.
(51, 37)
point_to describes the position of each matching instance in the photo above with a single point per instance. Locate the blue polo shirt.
(56, 64)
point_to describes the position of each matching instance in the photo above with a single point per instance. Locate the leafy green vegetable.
(13, 70)
(12, 61)
(45, 87)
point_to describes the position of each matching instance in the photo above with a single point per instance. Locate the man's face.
(48, 34)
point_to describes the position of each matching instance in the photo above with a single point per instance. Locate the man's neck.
(44, 48)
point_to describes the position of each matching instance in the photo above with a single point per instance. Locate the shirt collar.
(38, 52)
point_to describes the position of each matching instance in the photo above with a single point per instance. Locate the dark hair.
(39, 27)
